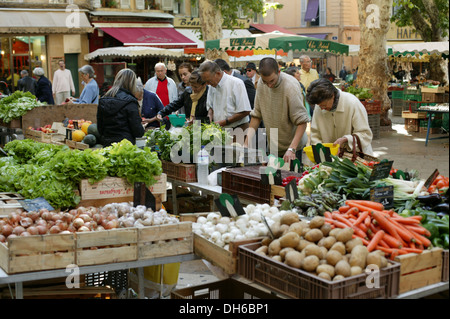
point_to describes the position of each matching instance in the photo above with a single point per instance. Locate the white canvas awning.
(421, 48)
(16, 20)
(133, 52)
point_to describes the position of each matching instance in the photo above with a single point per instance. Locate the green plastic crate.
(412, 97)
(397, 95)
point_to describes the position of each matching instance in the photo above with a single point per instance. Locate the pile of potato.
(332, 254)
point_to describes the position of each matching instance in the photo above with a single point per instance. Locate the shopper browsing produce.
(118, 111)
(279, 103)
(338, 116)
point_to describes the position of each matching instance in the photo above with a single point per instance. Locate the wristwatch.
(293, 150)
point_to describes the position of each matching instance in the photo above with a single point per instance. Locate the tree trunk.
(211, 24)
(373, 72)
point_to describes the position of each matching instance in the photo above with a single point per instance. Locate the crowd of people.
(265, 96)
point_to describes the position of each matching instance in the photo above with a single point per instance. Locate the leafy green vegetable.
(17, 104)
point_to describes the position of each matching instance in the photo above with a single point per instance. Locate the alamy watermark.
(74, 16)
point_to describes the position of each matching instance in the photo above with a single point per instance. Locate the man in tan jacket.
(279, 103)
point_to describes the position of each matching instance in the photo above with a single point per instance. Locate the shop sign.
(318, 45)
(195, 23)
(239, 42)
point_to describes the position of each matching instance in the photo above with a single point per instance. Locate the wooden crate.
(9, 203)
(277, 191)
(420, 270)
(165, 240)
(412, 125)
(14, 123)
(445, 265)
(439, 89)
(432, 97)
(116, 187)
(40, 136)
(411, 115)
(35, 253)
(108, 246)
(76, 145)
(181, 172)
(218, 256)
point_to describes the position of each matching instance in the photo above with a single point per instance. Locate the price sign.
(431, 179)
(383, 195)
(321, 153)
(381, 170)
(291, 191)
(229, 205)
(143, 196)
(296, 166)
(270, 176)
(35, 204)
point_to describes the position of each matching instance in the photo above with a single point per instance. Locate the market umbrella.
(420, 48)
(276, 41)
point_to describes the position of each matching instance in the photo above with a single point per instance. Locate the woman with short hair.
(118, 115)
(44, 87)
(337, 116)
(90, 93)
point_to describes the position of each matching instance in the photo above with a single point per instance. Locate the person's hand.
(159, 117)
(73, 92)
(340, 141)
(288, 156)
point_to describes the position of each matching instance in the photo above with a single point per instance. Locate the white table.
(20, 278)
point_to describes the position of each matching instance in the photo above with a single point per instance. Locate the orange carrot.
(363, 227)
(375, 240)
(353, 211)
(392, 241)
(362, 208)
(327, 215)
(361, 217)
(368, 203)
(419, 230)
(386, 225)
(341, 219)
(344, 209)
(413, 250)
(406, 221)
(358, 231)
(335, 223)
(394, 254)
(367, 221)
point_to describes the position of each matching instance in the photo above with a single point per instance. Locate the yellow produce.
(84, 127)
(78, 135)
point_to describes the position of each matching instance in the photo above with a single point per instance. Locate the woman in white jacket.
(338, 116)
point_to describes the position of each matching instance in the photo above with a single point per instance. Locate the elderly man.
(27, 83)
(162, 85)
(227, 102)
(307, 73)
(279, 103)
(251, 73)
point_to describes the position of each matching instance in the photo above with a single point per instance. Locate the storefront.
(31, 38)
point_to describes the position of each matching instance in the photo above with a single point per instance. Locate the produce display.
(162, 141)
(54, 171)
(17, 104)
(81, 219)
(316, 247)
(45, 129)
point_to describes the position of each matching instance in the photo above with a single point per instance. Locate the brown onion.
(14, 218)
(111, 224)
(71, 228)
(67, 217)
(97, 218)
(2, 239)
(83, 229)
(7, 230)
(54, 230)
(65, 232)
(33, 230)
(78, 222)
(33, 215)
(2, 223)
(26, 222)
(73, 212)
(18, 230)
(85, 217)
(42, 229)
(56, 217)
(46, 215)
(25, 233)
(62, 225)
(41, 222)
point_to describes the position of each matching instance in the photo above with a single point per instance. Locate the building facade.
(38, 33)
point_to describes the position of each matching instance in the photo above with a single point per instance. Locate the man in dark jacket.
(249, 86)
(27, 83)
(118, 118)
(44, 87)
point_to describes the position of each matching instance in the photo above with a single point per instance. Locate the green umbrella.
(300, 43)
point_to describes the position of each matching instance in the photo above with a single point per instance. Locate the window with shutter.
(140, 4)
(194, 10)
(167, 5)
(323, 13)
(125, 4)
(304, 6)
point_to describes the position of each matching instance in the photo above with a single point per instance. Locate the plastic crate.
(223, 289)
(300, 284)
(397, 94)
(245, 182)
(397, 106)
(114, 279)
(445, 268)
(372, 106)
(412, 97)
(374, 124)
